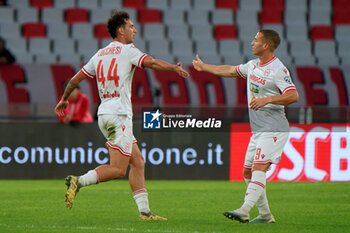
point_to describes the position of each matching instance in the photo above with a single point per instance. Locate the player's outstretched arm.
(223, 70)
(156, 64)
(72, 84)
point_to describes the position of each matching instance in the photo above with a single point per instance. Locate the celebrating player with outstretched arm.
(269, 89)
(114, 67)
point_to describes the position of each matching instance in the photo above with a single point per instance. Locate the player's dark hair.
(117, 19)
(271, 37)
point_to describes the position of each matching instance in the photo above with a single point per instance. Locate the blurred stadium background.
(52, 39)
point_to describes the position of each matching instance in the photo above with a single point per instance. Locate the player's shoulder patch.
(288, 79)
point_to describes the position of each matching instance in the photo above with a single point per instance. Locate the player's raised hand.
(180, 71)
(198, 63)
(60, 107)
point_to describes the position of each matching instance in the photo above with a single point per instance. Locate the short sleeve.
(284, 81)
(89, 68)
(242, 70)
(136, 56)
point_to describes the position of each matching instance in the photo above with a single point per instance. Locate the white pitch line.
(95, 228)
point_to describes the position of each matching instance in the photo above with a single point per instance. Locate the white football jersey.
(114, 67)
(269, 79)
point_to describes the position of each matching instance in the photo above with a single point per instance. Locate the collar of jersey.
(268, 62)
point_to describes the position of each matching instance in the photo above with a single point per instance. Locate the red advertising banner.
(313, 152)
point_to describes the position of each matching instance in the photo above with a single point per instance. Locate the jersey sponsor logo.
(111, 95)
(257, 79)
(110, 51)
(267, 72)
(274, 139)
(151, 120)
(253, 87)
(288, 79)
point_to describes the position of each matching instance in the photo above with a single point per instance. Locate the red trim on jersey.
(262, 162)
(239, 72)
(139, 64)
(118, 148)
(258, 183)
(268, 62)
(246, 166)
(87, 73)
(290, 88)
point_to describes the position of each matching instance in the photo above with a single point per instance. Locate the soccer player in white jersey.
(113, 67)
(269, 89)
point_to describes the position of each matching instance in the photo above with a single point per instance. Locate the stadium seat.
(296, 5)
(222, 16)
(159, 48)
(25, 15)
(250, 5)
(45, 58)
(320, 17)
(303, 60)
(300, 48)
(39, 46)
(149, 16)
(157, 4)
(82, 30)
(342, 33)
(182, 47)
(11, 31)
(186, 60)
(76, 15)
(328, 61)
(105, 42)
(17, 46)
(180, 5)
(247, 18)
(69, 59)
(178, 32)
(24, 57)
(174, 17)
(202, 31)
(64, 4)
(204, 5)
(247, 49)
(99, 15)
(282, 49)
(100, 31)
(137, 4)
(211, 58)
(40, 4)
(345, 61)
(7, 15)
(247, 32)
(271, 16)
(233, 60)
(87, 47)
(343, 49)
(153, 31)
(321, 33)
(230, 48)
(64, 46)
(111, 4)
(205, 47)
(140, 44)
(324, 49)
(227, 4)
(224, 32)
(57, 30)
(297, 33)
(340, 5)
(52, 15)
(133, 14)
(320, 5)
(30, 30)
(198, 17)
(295, 17)
(341, 17)
(274, 5)
(88, 4)
(285, 59)
(19, 4)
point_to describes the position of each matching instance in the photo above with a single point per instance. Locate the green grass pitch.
(191, 206)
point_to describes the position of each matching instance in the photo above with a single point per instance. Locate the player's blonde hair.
(271, 37)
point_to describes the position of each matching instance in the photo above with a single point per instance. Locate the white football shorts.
(265, 147)
(117, 129)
